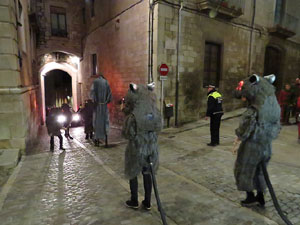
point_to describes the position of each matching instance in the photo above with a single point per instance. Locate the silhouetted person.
(66, 110)
(54, 126)
(87, 114)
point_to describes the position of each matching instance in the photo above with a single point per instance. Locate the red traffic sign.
(163, 69)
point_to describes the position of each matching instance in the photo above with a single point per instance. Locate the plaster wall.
(121, 46)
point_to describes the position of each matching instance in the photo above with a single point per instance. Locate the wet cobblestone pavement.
(85, 184)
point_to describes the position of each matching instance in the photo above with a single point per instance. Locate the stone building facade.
(274, 49)
(19, 111)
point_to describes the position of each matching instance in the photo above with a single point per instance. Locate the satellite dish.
(212, 13)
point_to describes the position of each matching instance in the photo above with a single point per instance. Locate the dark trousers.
(52, 141)
(133, 183)
(215, 122)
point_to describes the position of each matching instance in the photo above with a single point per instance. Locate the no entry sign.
(163, 69)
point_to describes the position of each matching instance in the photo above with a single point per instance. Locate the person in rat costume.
(259, 125)
(143, 121)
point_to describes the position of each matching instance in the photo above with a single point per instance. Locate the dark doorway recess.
(273, 62)
(58, 88)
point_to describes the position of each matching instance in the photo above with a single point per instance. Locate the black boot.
(97, 143)
(61, 143)
(148, 188)
(52, 143)
(250, 200)
(91, 135)
(260, 198)
(133, 202)
(86, 136)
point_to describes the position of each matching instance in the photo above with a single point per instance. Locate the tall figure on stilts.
(101, 96)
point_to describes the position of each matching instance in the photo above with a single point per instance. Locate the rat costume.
(259, 125)
(143, 121)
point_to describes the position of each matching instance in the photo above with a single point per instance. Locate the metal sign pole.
(162, 101)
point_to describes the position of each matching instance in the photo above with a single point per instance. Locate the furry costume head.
(260, 94)
(141, 102)
(256, 89)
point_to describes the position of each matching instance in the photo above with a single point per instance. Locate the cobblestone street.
(85, 184)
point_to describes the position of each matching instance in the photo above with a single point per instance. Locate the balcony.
(225, 9)
(284, 26)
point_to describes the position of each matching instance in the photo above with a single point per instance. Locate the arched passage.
(44, 71)
(58, 88)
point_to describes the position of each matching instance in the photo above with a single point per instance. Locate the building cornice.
(17, 90)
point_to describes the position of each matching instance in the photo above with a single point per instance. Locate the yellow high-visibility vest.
(215, 95)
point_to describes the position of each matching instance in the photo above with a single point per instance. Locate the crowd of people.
(289, 100)
(94, 115)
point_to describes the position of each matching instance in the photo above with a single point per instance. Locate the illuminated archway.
(74, 73)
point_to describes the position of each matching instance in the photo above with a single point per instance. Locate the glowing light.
(61, 119)
(239, 87)
(76, 118)
(74, 59)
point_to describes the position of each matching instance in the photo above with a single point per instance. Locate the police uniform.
(215, 112)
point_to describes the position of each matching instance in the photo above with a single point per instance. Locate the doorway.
(58, 89)
(273, 62)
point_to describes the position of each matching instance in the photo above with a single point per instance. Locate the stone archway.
(73, 72)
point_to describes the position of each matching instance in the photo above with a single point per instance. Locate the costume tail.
(160, 209)
(274, 199)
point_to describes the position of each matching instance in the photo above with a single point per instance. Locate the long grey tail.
(273, 196)
(160, 209)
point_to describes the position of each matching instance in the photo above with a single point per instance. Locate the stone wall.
(234, 38)
(121, 46)
(18, 108)
(75, 27)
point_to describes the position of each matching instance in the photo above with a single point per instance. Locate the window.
(58, 22)
(279, 9)
(94, 65)
(83, 16)
(212, 59)
(92, 8)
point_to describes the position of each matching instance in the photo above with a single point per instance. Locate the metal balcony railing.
(284, 25)
(225, 8)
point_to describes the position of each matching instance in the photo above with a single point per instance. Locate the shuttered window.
(212, 59)
(58, 21)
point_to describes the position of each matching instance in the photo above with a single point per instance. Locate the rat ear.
(271, 78)
(254, 79)
(133, 87)
(151, 86)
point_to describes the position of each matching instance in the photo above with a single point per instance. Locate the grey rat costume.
(141, 125)
(260, 124)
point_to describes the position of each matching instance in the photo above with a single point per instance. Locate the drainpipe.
(251, 37)
(150, 40)
(177, 68)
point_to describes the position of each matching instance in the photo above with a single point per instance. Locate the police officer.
(215, 112)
